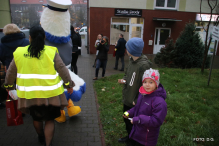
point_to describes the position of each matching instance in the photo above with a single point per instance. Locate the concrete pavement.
(80, 130)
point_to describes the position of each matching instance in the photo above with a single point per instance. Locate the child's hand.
(125, 117)
(70, 90)
(121, 81)
(131, 121)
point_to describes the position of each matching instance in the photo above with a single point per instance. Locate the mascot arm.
(63, 72)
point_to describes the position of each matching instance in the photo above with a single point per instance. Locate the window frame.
(165, 6)
(128, 23)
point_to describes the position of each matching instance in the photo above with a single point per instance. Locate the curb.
(99, 121)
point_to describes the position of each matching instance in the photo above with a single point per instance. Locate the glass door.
(161, 35)
(136, 31)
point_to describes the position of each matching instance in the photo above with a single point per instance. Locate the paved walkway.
(81, 130)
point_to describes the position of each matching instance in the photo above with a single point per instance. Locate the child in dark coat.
(150, 111)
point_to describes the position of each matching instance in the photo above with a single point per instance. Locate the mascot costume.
(55, 20)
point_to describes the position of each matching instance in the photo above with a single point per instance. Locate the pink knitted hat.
(152, 74)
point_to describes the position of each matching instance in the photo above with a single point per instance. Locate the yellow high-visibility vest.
(37, 78)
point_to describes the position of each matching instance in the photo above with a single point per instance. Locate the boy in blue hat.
(132, 79)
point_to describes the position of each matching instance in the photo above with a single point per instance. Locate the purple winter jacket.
(148, 115)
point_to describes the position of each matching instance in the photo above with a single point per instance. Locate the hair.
(101, 36)
(10, 29)
(107, 40)
(72, 29)
(37, 43)
(121, 35)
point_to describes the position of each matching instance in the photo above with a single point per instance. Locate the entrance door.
(136, 31)
(161, 34)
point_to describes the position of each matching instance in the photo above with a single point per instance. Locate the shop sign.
(206, 17)
(128, 12)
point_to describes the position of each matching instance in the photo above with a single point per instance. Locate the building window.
(129, 27)
(166, 4)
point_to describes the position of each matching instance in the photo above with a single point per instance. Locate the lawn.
(193, 108)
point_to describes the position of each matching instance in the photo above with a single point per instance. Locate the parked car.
(83, 30)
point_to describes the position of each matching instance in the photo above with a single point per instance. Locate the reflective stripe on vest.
(40, 88)
(37, 78)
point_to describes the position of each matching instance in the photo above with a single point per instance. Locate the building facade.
(5, 16)
(152, 20)
(26, 13)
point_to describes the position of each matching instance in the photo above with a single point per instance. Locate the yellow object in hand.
(126, 114)
(115, 49)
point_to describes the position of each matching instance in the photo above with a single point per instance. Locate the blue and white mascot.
(55, 20)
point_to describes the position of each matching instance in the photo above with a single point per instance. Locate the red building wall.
(100, 21)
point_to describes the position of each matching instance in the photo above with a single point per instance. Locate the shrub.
(167, 54)
(189, 48)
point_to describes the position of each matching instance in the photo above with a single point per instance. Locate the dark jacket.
(103, 51)
(120, 46)
(3, 92)
(133, 76)
(76, 41)
(9, 44)
(148, 115)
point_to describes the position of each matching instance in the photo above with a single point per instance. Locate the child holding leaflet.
(150, 111)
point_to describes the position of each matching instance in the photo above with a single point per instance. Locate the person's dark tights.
(74, 63)
(49, 130)
(38, 127)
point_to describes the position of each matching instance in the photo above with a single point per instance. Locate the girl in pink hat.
(150, 111)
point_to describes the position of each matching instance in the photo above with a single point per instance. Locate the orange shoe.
(72, 110)
(62, 118)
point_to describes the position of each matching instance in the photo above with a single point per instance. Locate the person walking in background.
(150, 111)
(76, 42)
(38, 70)
(103, 48)
(3, 93)
(120, 52)
(132, 79)
(99, 38)
(13, 38)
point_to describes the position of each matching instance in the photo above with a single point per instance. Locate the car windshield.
(81, 30)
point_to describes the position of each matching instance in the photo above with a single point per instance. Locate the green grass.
(193, 108)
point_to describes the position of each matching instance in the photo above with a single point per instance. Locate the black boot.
(123, 140)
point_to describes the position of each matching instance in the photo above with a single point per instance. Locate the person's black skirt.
(44, 113)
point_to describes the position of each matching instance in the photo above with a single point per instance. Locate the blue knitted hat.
(135, 46)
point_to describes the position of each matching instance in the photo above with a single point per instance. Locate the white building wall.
(184, 5)
(194, 6)
(128, 4)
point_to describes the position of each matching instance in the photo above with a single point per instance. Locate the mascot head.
(55, 20)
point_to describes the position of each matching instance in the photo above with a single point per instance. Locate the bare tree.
(72, 15)
(34, 19)
(212, 6)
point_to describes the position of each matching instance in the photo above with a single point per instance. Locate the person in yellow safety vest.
(41, 78)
